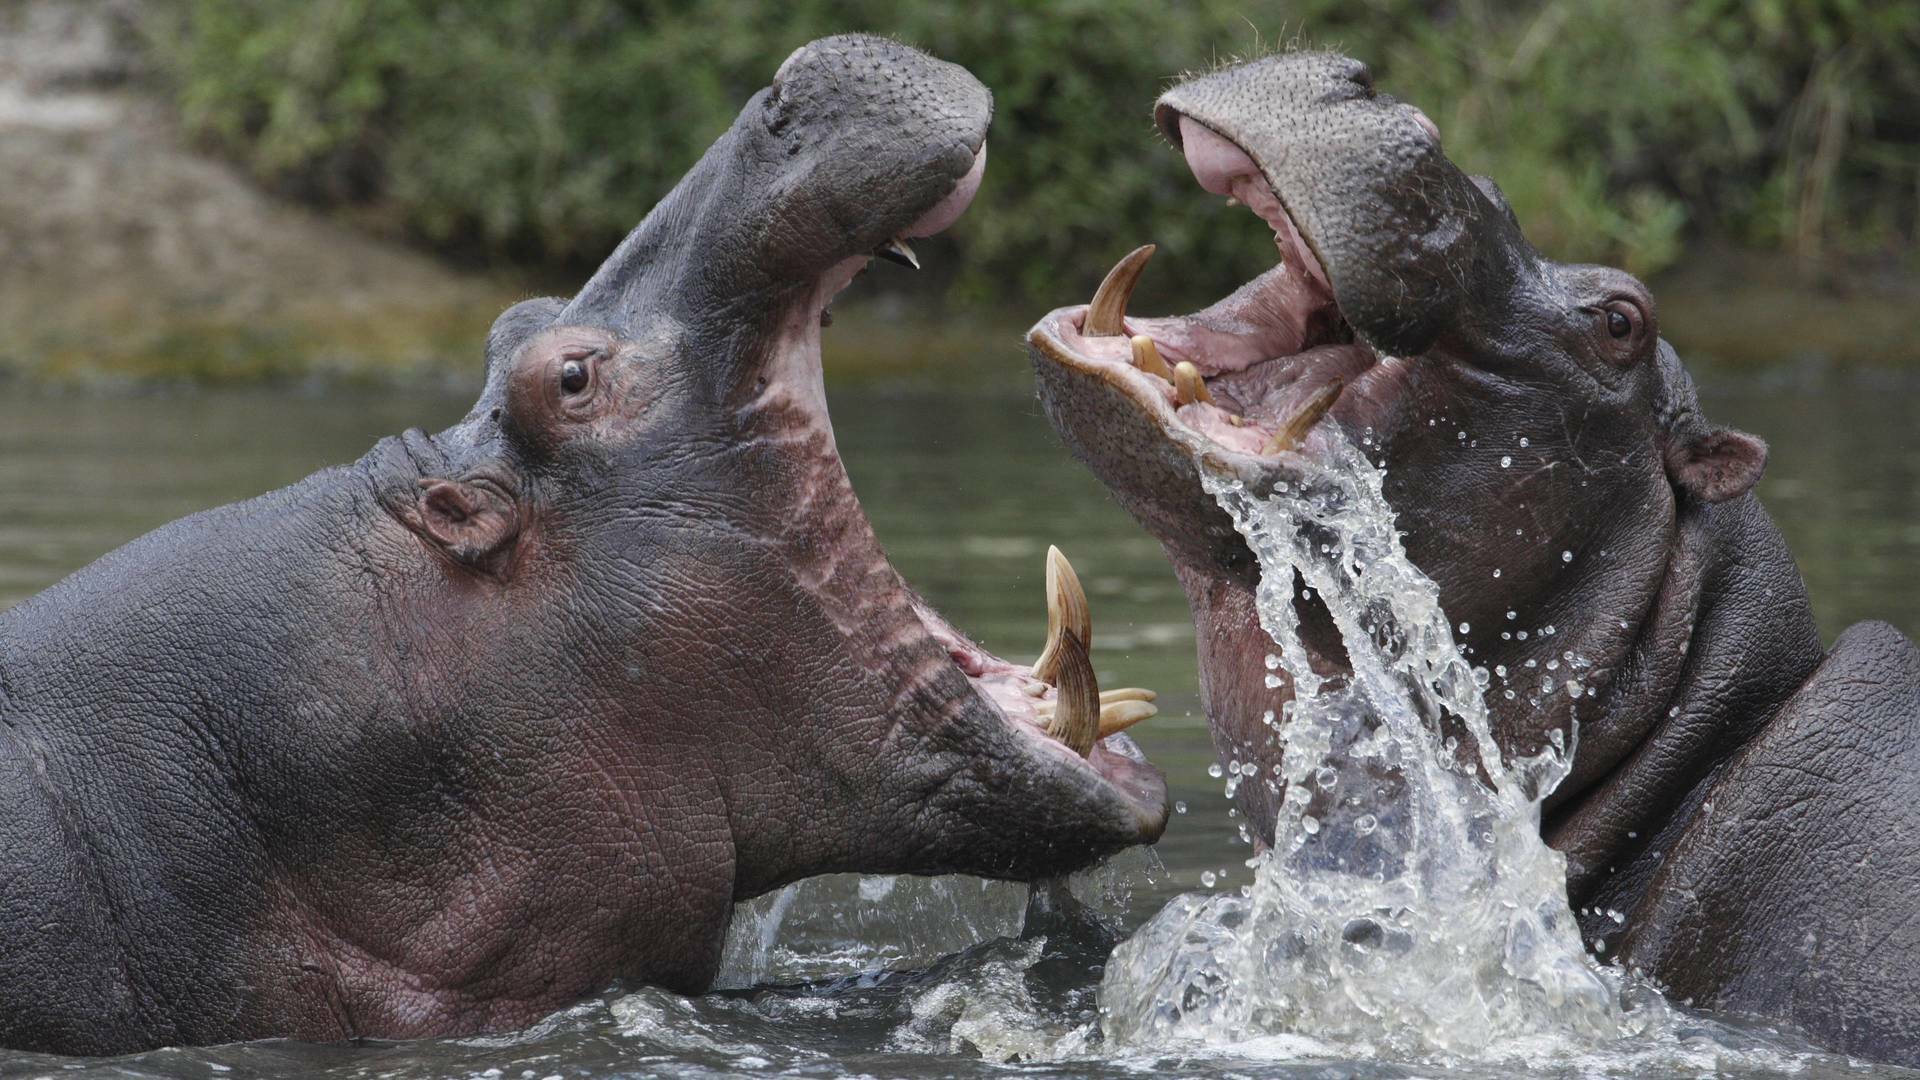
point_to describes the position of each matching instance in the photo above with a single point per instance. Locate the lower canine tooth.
(1146, 357)
(1076, 719)
(1188, 386)
(1293, 430)
(1067, 613)
(1107, 314)
(1130, 693)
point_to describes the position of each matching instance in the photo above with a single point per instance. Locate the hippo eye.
(1623, 321)
(573, 376)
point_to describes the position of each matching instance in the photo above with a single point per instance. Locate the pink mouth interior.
(1011, 687)
(1263, 351)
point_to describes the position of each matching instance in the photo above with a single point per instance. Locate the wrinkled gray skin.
(442, 740)
(1745, 799)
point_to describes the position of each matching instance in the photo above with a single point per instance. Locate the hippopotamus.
(1738, 820)
(491, 719)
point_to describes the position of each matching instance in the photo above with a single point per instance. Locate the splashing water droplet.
(1418, 913)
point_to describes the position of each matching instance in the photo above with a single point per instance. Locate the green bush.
(540, 132)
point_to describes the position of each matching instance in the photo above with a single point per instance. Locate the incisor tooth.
(1293, 430)
(1146, 357)
(1076, 721)
(1067, 612)
(1122, 715)
(1188, 386)
(1108, 699)
(1106, 315)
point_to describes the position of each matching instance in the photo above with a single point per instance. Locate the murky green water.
(966, 487)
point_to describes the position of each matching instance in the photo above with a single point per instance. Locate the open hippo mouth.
(1055, 708)
(1252, 376)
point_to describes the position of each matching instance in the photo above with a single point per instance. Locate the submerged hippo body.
(442, 740)
(1741, 818)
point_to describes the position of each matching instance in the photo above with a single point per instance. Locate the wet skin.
(444, 739)
(1744, 798)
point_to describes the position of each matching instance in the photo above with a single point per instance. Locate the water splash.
(1408, 906)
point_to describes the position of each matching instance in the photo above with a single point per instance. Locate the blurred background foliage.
(537, 133)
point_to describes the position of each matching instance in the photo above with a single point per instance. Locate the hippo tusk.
(1067, 612)
(1293, 430)
(1188, 386)
(1106, 315)
(1146, 357)
(1076, 718)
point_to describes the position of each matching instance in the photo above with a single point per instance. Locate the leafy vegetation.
(538, 132)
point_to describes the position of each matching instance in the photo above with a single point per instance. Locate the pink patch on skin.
(948, 210)
(1426, 122)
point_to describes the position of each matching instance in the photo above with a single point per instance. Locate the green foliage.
(542, 131)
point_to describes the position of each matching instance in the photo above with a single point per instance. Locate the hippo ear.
(1716, 464)
(473, 521)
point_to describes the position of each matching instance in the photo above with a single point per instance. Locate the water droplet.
(1511, 615)
(1521, 635)
(1214, 770)
(1272, 662)
(1506, 461)
(1496, 571)
(1547, 629)
(1267, 718)
(1326, 778)
(1311, 824)
(1365, 824)
(1500, 670)
(1464, 628)
(1273, 681)
(1208, 878)
(1566, 556)
(1523, 441)
(1180, 807)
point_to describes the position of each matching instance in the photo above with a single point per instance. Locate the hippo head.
(648, 529)
(1539, 440)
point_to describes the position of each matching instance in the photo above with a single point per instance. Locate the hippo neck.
(1730, 635)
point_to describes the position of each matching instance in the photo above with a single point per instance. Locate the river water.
(966, 487)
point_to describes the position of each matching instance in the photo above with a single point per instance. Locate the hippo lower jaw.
(1245, 382)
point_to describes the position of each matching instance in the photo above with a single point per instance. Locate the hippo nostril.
(1362, 76)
